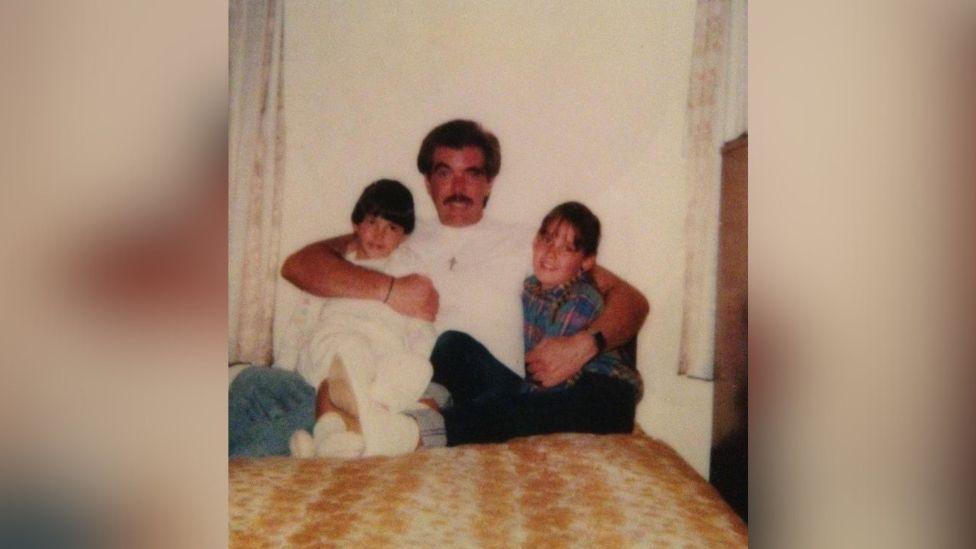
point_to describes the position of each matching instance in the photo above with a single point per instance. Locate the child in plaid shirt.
(560, 298)
(493, 404)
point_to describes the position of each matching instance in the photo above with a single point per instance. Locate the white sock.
(388, 433)
(345, 445)
(400, 380)
(384, 433)
(329, 423)
(301, 445)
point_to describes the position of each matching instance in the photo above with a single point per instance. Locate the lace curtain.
(716, 114)
(256, 175)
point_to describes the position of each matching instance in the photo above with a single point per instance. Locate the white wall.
(586, 98)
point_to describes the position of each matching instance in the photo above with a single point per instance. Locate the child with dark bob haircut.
(381, 220)
(376, 361)
(389, 199)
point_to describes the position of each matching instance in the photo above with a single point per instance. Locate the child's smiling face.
(555, 257)
(376, 237)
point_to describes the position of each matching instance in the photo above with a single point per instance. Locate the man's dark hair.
(586, 223)
(388, 199)
(458, 134)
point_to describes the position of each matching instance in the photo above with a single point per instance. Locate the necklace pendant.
(452, 263)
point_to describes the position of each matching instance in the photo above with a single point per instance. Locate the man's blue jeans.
(266, 405)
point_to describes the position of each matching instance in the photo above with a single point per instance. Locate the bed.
(564, 490)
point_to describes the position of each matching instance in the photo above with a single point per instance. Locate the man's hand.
(556, 359)
(414, 295)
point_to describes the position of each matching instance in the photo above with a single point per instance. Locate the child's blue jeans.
(266, 405)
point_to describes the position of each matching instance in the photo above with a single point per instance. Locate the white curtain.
(256, 175)
(716, 114)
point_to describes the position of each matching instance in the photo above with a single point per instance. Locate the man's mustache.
(458, 198)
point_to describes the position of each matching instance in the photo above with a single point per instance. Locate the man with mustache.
(475, 268)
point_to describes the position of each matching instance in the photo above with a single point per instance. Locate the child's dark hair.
(586, 223)
(388, 199)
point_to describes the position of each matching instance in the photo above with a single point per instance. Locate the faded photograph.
(488, 273)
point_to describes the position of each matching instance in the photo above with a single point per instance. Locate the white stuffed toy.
(370, 428)
(377, 364)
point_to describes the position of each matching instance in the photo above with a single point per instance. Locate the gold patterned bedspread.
(566, 490)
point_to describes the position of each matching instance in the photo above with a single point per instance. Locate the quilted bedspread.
(566, 490)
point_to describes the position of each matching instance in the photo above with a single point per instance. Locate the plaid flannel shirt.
(564, 311)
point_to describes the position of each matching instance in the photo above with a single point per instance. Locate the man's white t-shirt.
(478, 273)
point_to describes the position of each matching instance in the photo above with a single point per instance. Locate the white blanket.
(390, 350)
